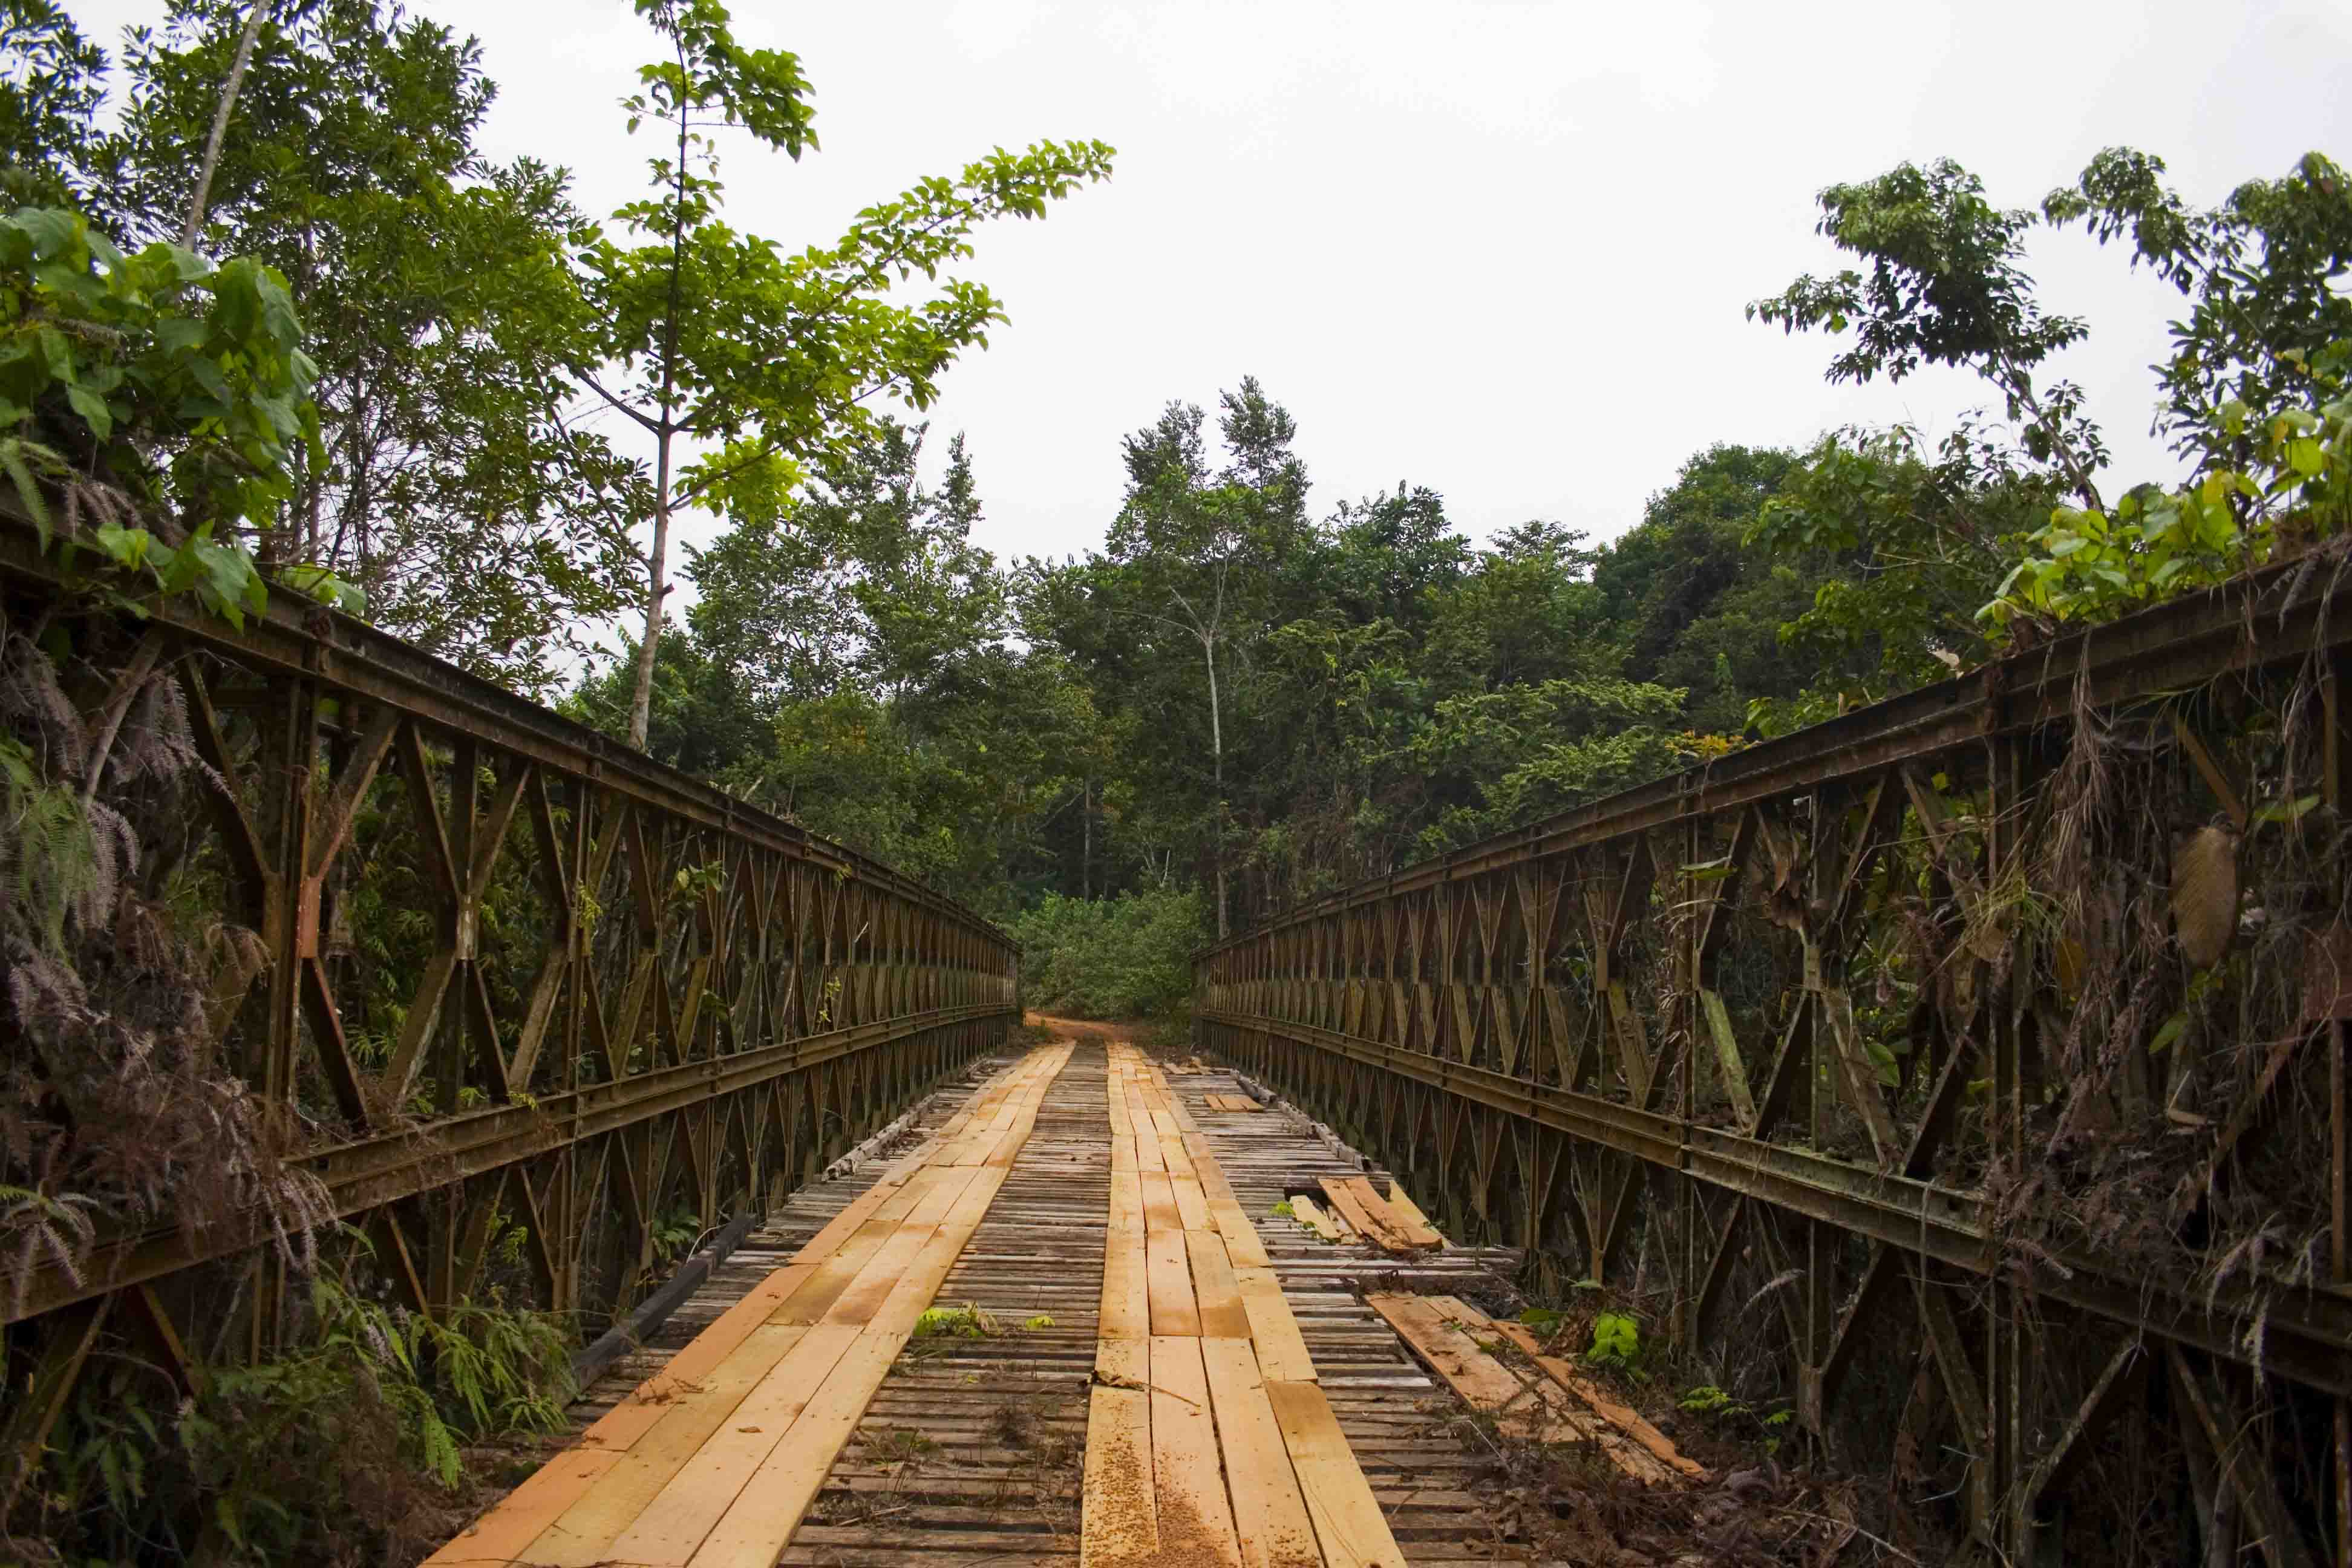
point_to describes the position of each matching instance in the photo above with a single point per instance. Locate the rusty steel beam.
(367, 1173)
(2308, 1327)
(628, 993)
(298, 637)
(2187, 642)
(1907, 1082)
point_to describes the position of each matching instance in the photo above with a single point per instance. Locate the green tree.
(1193, 552)
(1945, 285)
(2264, 273)
(441, 307)
(52, 80)
(2253, 391)
(762, 360)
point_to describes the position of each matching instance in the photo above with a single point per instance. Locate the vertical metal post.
(2005, 1325)
(1688, 1023)
(291, 930)
(2336, 765)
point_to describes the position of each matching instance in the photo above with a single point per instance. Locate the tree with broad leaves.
(52, 79)
(1946, 286)
(758, 360)
(438, 297)
(1199, 550)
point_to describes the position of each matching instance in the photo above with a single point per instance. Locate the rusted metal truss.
(1896, 1048)
(535, 1010)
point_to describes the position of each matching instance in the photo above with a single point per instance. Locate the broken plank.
(1309, 1213)
(1416, 1231)
(1350, 1204)
(1624, 1418)
(1485, 1384)
(1410, 1212)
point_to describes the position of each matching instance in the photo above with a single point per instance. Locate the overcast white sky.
(1496, 249)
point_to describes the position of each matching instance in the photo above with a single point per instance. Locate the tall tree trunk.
(1086, 853)
(196, 223)
(641, 701)
(1217, 756)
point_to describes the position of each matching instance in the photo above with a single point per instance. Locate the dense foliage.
(1126, 957)
(1247, 693)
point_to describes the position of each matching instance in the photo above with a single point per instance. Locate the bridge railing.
(519, 1007)
(1968, 1071)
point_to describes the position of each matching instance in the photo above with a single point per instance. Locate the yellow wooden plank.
(1405, 1209)
(920, 1285)
(1214, 1185)
(1196, 1521)
(1216, 1294)
(586, 1530)
(1269, 1513)
(845, 1225)
(676, 1453)
(760, 1521)
(1192, 1203)
(1242, 1244)
(816, 1295)
(1168, 1284)
(651, 1400)
(682, 1513)
(892, 1261)
(1160, 1210)
(1126, 1297)
(500, 1537)
(1281, 1348)
(1348, 1524)
(1119, 1521)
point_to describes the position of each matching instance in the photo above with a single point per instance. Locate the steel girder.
(1802, 1031)
(533, 1006)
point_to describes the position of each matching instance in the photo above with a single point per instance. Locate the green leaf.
(2287, 811)
(93, 409)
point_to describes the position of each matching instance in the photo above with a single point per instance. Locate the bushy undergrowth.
(1129, 957)
(334, 1452)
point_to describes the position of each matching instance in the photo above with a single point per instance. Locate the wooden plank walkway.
(975, 1445)
(713, 1462)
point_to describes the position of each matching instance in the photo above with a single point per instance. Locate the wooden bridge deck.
(765, 1425)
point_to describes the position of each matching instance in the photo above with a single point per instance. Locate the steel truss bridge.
(623, 1007)
(1851, 1053)
(1854, 1053)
